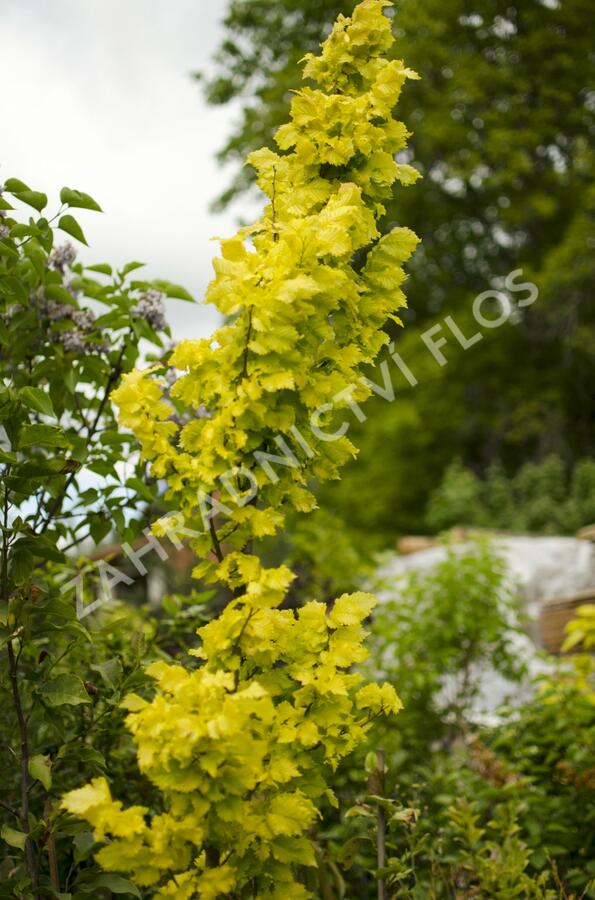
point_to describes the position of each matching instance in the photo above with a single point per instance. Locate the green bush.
(471, 810)
(542, 498)
(67, 334)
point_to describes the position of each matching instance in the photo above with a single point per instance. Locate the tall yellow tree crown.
(241, 747)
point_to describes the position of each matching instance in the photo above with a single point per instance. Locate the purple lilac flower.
(62, 257)
(83, 319)
(57, 311)
(73, 341)
(151, 308)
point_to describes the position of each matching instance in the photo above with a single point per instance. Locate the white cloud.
(97, 95)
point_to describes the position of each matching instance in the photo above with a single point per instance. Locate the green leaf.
(91, 757)
(103, 468)
(114, 438)
(102, 268)
(22, 563)
(40, 767)
(370, 763)
(140, 488)
(42, 547)
(110, 671)
(7, 250)
(38, 400)
(70, 225)
(14, 838)
(175, 291)
(32, 198)
(40, 466)
(383, 802)
(349, 848)
(131, 266)
(20, 230)
(13, 185)
(360, 810)
(83, 755)
(11, 286)
(78, 199)
(115, 883)
(35, 252)
(59, 293)
(42, 436)
(83, 845)
(100, 526)
(64, 690)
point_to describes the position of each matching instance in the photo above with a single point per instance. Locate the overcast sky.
(97, 95)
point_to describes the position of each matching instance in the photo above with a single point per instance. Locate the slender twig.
(246, 347)
(53, 219)
(25, 778)
(236, 645)
(76, 542)
(39, 498)
(60, 657)
(80, 739)
(9, 809)
(18, 705)
(79, 409)
(215, 541)
(273, 209)
(51, 845)
(381, 826)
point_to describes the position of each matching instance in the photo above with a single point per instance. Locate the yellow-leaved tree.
(242, 747)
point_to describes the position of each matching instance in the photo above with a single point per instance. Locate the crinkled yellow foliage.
(307, 289)
(241, 747)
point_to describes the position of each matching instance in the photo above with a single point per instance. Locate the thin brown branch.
(25, 777)
(9, 809)
(51, 847)
(215, 541)
(246, 347)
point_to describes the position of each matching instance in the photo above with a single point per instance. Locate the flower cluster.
(151, 308)
(84, 319)
(75, 339)
(61, 258)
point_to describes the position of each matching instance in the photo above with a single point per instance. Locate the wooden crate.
(555, 615)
